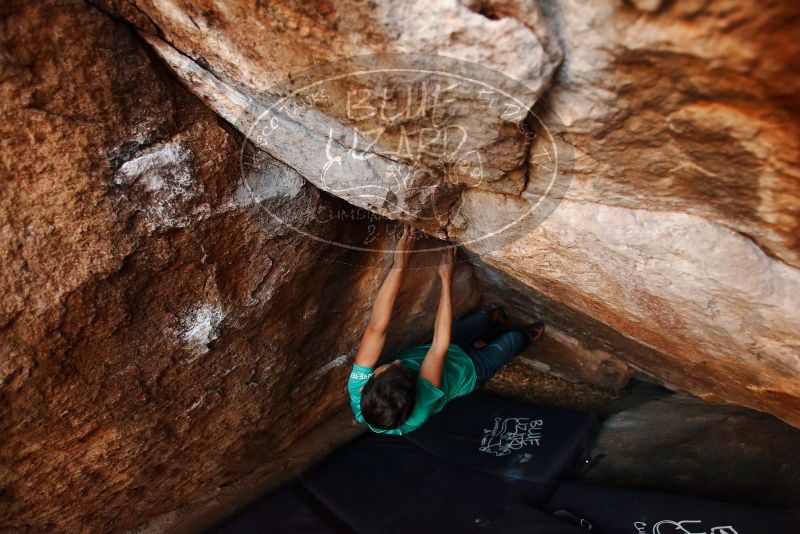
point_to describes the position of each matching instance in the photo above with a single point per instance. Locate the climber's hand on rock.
(446, 263)
(405, 245)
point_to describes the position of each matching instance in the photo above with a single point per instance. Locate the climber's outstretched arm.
(433, 364)
(369, 350)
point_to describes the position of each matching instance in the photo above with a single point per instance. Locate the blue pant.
(500, 346)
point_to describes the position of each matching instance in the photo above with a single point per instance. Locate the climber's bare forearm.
(369, 350)
(444, 318)
(384, 301)
(433, 364)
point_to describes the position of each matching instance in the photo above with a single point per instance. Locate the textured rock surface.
(403, 171)
(237, 56)
(684, 446)
(679, 227)
(161, 334)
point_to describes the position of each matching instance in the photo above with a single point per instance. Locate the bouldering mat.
(288, 510)
(493, 435)
(613, 511)
(388, 484)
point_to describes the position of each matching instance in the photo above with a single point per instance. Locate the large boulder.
(718, 452)
(667, 233)
(384, 128)
(679, 228)
(180, 302)
(164, 326)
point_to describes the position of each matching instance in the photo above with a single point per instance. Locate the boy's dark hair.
(387, 399)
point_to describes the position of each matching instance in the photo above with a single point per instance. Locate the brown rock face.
(679, 226)
(161, 332)
(177, 307)
(674, 220)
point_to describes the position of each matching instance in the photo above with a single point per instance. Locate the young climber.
(399, 396)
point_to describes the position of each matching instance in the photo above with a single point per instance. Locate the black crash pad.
(492, 435)
(524, 519)
(612, 511)
(290, 509)
(386, 484)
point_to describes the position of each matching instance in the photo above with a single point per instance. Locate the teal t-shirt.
(458, 378)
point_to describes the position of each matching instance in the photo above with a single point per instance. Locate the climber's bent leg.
(473, 326)
(489, 359)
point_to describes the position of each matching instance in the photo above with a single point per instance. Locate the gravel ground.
(522, 383)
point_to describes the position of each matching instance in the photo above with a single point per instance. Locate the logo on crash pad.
(510, 434)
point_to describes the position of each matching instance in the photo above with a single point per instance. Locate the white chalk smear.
(201, 326)
(337, 362)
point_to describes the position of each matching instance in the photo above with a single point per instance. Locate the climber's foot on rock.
(534, 332)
